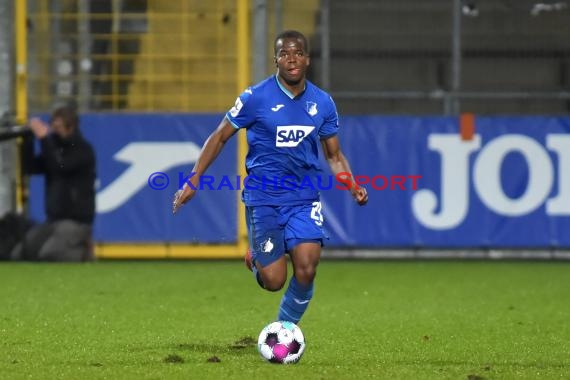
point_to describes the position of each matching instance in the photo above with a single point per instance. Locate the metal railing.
(164, 55)
(373, 56)
(151, 55)
(536, 40)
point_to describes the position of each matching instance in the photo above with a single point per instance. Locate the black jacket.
(69, 168)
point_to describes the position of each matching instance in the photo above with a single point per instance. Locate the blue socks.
(295, 301)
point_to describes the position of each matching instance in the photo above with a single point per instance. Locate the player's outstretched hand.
(181, 197)
(360, 196)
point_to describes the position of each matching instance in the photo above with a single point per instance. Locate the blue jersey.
(283, 134)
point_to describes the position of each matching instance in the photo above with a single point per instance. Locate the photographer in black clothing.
(68, 162)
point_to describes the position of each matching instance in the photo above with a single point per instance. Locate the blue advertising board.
(134, 206)
(508, 186)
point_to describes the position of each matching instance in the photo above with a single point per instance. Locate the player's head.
(64, 121)
(291, 56)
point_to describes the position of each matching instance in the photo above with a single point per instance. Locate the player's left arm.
(339, 164)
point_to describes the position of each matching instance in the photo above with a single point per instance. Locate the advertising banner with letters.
(507, 185)
(139, 161)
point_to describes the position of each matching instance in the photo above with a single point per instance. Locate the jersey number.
(316, 213)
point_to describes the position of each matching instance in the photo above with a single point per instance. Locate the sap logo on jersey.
(291, 135)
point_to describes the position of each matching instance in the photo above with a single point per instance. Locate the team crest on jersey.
(312, 108)
(267, 246)
(289, 136)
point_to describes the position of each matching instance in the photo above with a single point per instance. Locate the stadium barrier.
(503, 184)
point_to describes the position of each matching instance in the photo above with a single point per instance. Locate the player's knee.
(274, 284)
(274, 275)
(274, 281)
(306, 275)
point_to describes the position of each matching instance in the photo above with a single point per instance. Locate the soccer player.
(285, 116)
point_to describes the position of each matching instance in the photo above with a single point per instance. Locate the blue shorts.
(276, 230)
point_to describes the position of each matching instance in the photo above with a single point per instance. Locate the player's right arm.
(241, 115)
(212, 147)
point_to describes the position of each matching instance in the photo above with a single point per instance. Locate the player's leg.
(267, 246)
(306, 257)
(295, 301)
(273, 276)
(304, 237)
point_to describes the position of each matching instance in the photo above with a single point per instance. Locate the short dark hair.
(69, 116)
(291, 34)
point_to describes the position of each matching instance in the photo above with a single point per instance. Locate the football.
(281, 342)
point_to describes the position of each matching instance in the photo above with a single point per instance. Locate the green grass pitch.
(389, 320)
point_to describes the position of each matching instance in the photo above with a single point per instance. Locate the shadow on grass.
(180, 353)
(243, 346)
